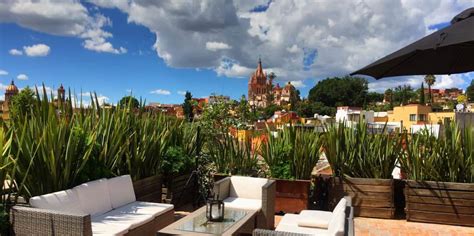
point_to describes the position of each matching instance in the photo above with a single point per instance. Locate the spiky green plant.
(356, 151)
(291, 153)
(231, 156)
(448, 158)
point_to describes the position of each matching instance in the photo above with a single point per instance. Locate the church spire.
(259, 71)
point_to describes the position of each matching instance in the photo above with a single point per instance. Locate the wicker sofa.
(340, 222)
(249, 193)
(100, 207)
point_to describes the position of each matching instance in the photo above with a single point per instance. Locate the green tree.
(422, 94)
(294, 99)
(346, 91)
(402, 95)
(470, 91)
(430, 80)
(129, 101)
(22, 103)
(243, 110)
(188, 106)
(270, 110)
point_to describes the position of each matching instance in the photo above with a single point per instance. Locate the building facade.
(262, 93)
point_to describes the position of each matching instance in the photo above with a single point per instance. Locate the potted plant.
(362, 162)
(291, 154)
(440, 171)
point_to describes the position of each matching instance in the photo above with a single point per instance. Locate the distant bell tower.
(61, 94)
(10, 91)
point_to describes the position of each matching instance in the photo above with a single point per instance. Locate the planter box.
(440, 202)
(174, 187)
(292, 196)
(148, 189)
(370, 197)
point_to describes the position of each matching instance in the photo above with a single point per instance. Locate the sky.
(157, 50)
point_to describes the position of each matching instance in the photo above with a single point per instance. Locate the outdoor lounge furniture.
(100, 207)
(249, 193)
(339, 222)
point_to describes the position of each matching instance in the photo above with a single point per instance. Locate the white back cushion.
(341, 206)
(121, 191)
(336, 224)
(65, 201)
(246, 187)
(94, 197)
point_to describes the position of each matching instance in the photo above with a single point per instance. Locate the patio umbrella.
(446, 51)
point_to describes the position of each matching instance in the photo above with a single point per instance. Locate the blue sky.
(159, 49)
(110, 75)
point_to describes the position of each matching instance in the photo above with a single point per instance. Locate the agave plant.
(291, 153)
(231, 156)
(357, 152)
(448, 158)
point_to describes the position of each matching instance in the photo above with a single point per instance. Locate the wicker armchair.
(249, 193)
(348, 225)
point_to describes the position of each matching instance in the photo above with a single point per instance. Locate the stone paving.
(381, 227)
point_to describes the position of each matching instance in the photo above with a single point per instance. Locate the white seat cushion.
(103, 229)
(134, 214)
(246, 187)
(94, 197)
(243, 203)
(65, 201)
(121, 191)
(148, 208)
(341, 206)
(301, 230)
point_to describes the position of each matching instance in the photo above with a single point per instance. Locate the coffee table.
(236, 221)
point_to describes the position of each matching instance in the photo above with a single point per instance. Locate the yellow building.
(417, 114)
(412, 114)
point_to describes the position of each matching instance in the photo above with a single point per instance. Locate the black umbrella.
(446, 51)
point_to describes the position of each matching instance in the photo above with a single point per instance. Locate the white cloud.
(214, 46)
(37, 50)
(3, 72)
(15, 52)
(284, 32)
(161, 92)
(22, 77)
(181, 92)
(65, 18)
(298, 83)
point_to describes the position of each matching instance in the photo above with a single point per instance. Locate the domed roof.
(12, 88)
(289, 85)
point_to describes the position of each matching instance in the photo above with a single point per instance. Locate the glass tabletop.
(200, 223)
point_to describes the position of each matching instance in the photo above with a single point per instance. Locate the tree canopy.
(129, 101)
(22, 102)
(346, 91)
(188, 106)
(470, 92)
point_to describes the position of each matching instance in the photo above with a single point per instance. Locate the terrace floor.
(382, 227)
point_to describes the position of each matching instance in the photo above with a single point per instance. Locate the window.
(422, 117)
(412, 117)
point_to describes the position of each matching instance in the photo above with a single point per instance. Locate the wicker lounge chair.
(100, 207)
(249, 193)
(340, 222)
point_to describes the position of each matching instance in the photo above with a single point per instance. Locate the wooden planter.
(440, 202)
(370, 197)
(148, 189)
(174, 187)
(292, 196)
